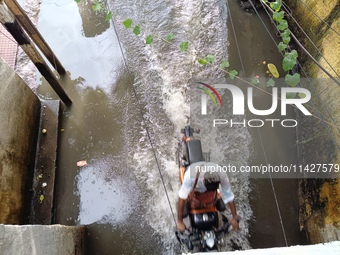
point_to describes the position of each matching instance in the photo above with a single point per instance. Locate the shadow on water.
(118, 194)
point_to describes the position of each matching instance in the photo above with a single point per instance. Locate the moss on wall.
(320, 199)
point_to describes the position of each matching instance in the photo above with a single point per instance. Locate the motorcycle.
(204, 234)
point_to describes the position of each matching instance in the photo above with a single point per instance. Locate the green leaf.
(224, 64)
(109, 16)
(282, 46)
(77, 1)
(290, 95)
(184, 46)
(285, 33)
(276, 6)
(202, 61)
(232, 74)
(170, 37)
(96, 6)
(288, 64)
(278, 16)
(136, 30)
(265, 1)
(286, 39)
(282, 25)
(209, 58)
(270, 83)
(293, 54)
(127, 23)
(292, 80)
(289, 60)
(255, 81)
(149, 39)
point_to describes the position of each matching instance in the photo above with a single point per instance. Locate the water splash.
(105, 199)
(163, 80)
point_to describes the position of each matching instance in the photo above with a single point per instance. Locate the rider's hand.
(234, 222)
(181, 226)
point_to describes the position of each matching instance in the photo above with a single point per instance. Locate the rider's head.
(211, 180)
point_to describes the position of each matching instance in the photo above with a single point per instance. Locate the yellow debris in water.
(273, 70)
(301, 95)
(41, 198)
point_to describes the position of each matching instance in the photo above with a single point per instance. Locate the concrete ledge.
(19, 121)
(45, 164)
(42, 240)
(332, 248)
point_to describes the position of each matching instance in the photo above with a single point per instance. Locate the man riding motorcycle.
(199, 190)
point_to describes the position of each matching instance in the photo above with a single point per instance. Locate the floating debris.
(81, 163)
(44, 185)
(273, 70)
(41, 198)
(44, 131)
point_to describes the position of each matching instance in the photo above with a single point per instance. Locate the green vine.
(290, 58)
(288, 62)
(183, 47)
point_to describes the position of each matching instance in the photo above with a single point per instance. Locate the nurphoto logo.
(238, 104)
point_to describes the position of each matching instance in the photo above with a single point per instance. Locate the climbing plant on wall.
(290, 57)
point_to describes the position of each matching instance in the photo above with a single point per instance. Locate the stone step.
(45, 164)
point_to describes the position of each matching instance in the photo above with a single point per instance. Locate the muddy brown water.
(119, 194)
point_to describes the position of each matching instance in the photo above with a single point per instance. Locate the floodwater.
(129, 102)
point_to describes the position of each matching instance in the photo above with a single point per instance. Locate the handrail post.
(13, 27)
(34, 34)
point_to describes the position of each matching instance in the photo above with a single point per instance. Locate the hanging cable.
(146, 127)
(320, 115)
(273, 188)
(304, 32)
(297, 41)
(263, 150)
(314, 60)
(311, 10)
(237, 45)
(317, 111)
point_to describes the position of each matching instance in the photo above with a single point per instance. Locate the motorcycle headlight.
(210, 242)
(209, 239)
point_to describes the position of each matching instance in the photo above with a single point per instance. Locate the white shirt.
(190, 176)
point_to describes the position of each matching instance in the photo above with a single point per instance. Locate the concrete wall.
(326, 91)
(19, 119)
(319, 142)
(42, 240)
